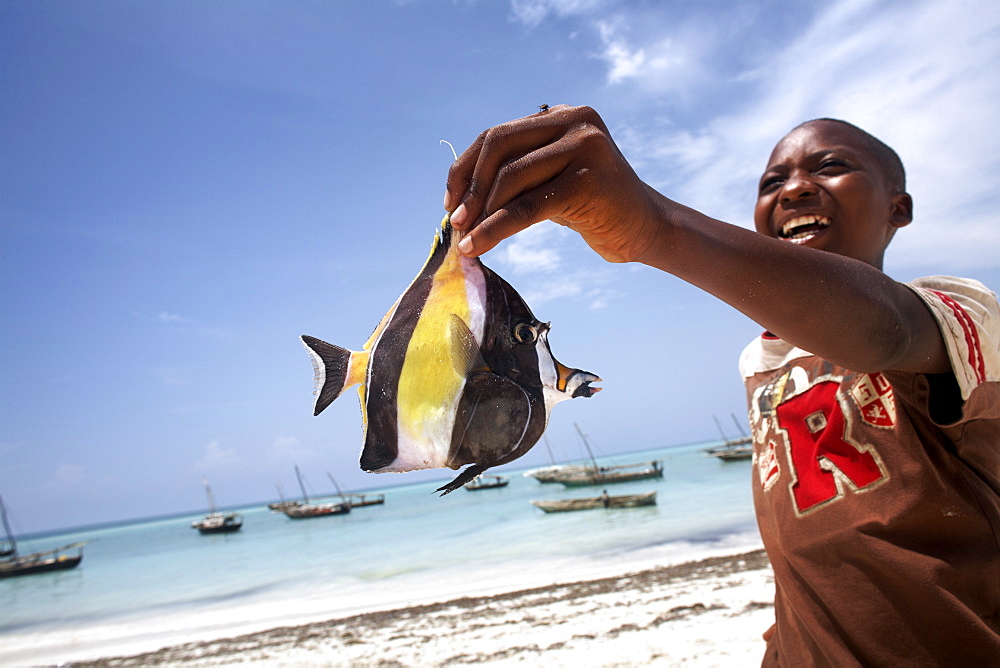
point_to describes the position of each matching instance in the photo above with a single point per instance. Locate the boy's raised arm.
(562, 164)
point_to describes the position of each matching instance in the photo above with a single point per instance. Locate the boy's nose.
(795, 187)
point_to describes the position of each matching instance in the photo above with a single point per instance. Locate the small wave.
(388, 573)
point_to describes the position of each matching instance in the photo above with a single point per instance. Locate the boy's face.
(825, 188)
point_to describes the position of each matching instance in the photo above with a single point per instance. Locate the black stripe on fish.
(381, 444)
(507, 404)
(507, 357)
(501, 413)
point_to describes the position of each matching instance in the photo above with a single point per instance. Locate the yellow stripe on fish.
(429, 385)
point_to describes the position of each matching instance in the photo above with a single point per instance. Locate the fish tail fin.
(334, 369)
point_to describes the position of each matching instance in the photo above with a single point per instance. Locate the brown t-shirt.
(878, 497)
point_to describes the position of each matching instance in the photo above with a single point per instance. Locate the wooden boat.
(486, 482)
(550, 473)
(602, 501)
(731, 453)
(279, 506)
(595, 474)
(613, 474)
(216, 522)
(42, 562)
(560, 472)
(356, 500)
(219, 523)
(309, 510)
(732, 450)
(13, 564)
(306, 510)
(9, 546)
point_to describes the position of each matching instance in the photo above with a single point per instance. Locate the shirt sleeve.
(969, 317)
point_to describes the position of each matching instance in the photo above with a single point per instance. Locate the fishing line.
(445, 141)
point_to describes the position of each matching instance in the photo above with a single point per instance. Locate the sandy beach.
(704, 613)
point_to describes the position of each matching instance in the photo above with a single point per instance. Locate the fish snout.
(583, 379)
(575, 382)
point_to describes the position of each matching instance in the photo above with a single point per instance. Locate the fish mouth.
(576, 383)
(584, 389)
(801, 229)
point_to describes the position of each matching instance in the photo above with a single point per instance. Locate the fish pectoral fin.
(465, 353)
(335, 369)
(492, 420)
(462, 478)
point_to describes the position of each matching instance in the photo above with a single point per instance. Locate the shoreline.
(709, 612)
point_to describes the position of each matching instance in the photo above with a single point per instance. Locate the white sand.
(706, 613)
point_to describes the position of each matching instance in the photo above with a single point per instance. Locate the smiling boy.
(875, 405)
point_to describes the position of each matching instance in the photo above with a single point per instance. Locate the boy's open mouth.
(802, 228)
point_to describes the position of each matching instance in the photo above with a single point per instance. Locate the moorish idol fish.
(458, 372)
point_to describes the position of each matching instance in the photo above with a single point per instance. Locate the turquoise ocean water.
(149, 583)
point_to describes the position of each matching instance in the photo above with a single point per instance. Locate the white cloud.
(534, 250)
(661, 64)
(163, 316)
(601, 298)
(217, 456)
(69, 475)
(624, 62)
(170, 376)
(540, 260)
(533, 12)
(186, 325)
(287, 448)
(552, 287)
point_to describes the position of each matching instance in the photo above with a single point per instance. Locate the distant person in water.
(874, 404)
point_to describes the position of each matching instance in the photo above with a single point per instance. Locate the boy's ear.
(902, 210)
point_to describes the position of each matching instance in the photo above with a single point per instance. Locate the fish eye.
(525, 332)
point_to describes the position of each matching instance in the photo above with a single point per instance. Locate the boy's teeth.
(803, 227)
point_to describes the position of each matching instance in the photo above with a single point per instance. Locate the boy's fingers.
(491, 231)
(471, 179)
(519, 182)
(460, 173)
(514, 216)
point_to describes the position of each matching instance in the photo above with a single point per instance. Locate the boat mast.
(548, 448)
(208, 493)
(12, 550)
(301, 484)
(738, 425)
(719, 426)
(340, 493)
(587, 444)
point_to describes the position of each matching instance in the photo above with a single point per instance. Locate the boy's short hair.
(892, 166)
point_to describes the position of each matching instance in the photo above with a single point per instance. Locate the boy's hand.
(559, 164)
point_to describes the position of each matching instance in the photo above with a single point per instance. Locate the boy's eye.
(831, 164)
(769, 184)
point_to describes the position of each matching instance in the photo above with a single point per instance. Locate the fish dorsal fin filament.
(466, 355)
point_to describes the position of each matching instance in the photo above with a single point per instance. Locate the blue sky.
(185, 187)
